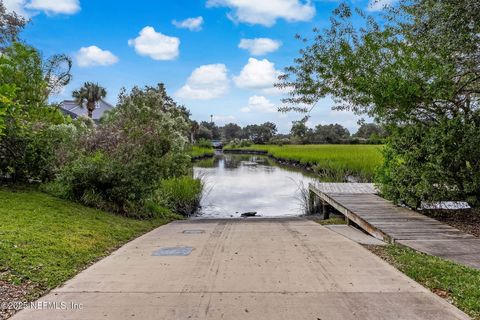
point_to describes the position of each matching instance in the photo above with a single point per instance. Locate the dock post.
(325, 211)
(311, 202)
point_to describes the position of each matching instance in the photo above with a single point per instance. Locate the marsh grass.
(333, 162)
(199, 152)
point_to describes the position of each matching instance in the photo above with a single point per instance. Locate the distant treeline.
(368, 133)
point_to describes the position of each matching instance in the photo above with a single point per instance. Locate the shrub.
(426, 162)
(143, 141)
(204, 143)
(181, 195)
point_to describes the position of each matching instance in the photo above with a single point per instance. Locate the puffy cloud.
(379, 5)
(266, 12)
(27, 8)
(155, 44)
(55, 6)
(259, 46)
(259, 75)
(94, 56)
(259, 104)
(192, 24)
(206, 82)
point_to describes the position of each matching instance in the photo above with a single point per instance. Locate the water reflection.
(242, 183)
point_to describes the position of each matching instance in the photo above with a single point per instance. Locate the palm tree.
(90, 93)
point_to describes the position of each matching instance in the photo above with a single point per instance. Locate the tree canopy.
(416, 71)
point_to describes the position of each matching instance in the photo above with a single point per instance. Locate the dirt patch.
(465, 220)
(12, 295)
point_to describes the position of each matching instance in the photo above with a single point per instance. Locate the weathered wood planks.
(382, 219)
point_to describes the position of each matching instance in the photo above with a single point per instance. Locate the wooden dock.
(360, 204)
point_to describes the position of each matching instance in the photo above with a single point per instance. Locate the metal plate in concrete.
(193, 231)
(173, 251)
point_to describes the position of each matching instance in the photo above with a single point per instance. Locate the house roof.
(71, 108)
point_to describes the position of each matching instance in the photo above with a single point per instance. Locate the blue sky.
(194, 47)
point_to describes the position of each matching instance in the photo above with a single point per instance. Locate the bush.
(240, 143)
(143, 141)
(30, 144)
(181, 195)
(433, 162)
(204, 143)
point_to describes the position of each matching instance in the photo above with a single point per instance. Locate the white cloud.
(27, 8)
(259, 104)
(155, 44)
(206, 82)
(192, 24)
(258, 75)
(266, 12)
(55, 6)
(94, 56)
(259, 46)
(379, 5)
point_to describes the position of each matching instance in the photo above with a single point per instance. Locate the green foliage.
(88, 95)
(261, 133)
(22, 66)
(181, 195)
(7, 94)
(433, 163)
(140, 143)
(239, 143)
(46, 240)
(371, 131)
(29, 142)
(204, 143)
(231, 131)
(417, 73)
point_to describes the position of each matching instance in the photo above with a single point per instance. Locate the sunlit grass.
(46, 240)
(198, 152)
(457, 283)
(340, 160)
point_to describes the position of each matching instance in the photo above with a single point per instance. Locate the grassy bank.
(44, 240)
(199, 152)
(330, 160)
(458, 284)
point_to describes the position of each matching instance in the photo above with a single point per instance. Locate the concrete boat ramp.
(242, 269)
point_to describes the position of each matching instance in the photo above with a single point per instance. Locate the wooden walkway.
(382, 219)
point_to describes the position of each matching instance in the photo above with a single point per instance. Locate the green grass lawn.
(198, 152)
(332, 159)
(458, 284)
(45, 240)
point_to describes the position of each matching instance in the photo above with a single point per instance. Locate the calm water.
(243, 183)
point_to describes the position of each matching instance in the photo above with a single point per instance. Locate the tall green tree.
(261, 133)
(89, 95)
(417, 72)
(231, 131)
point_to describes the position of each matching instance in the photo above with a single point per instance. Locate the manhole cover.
(174, 251)
(194, 231)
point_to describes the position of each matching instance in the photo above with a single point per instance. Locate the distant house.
(71, 108)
